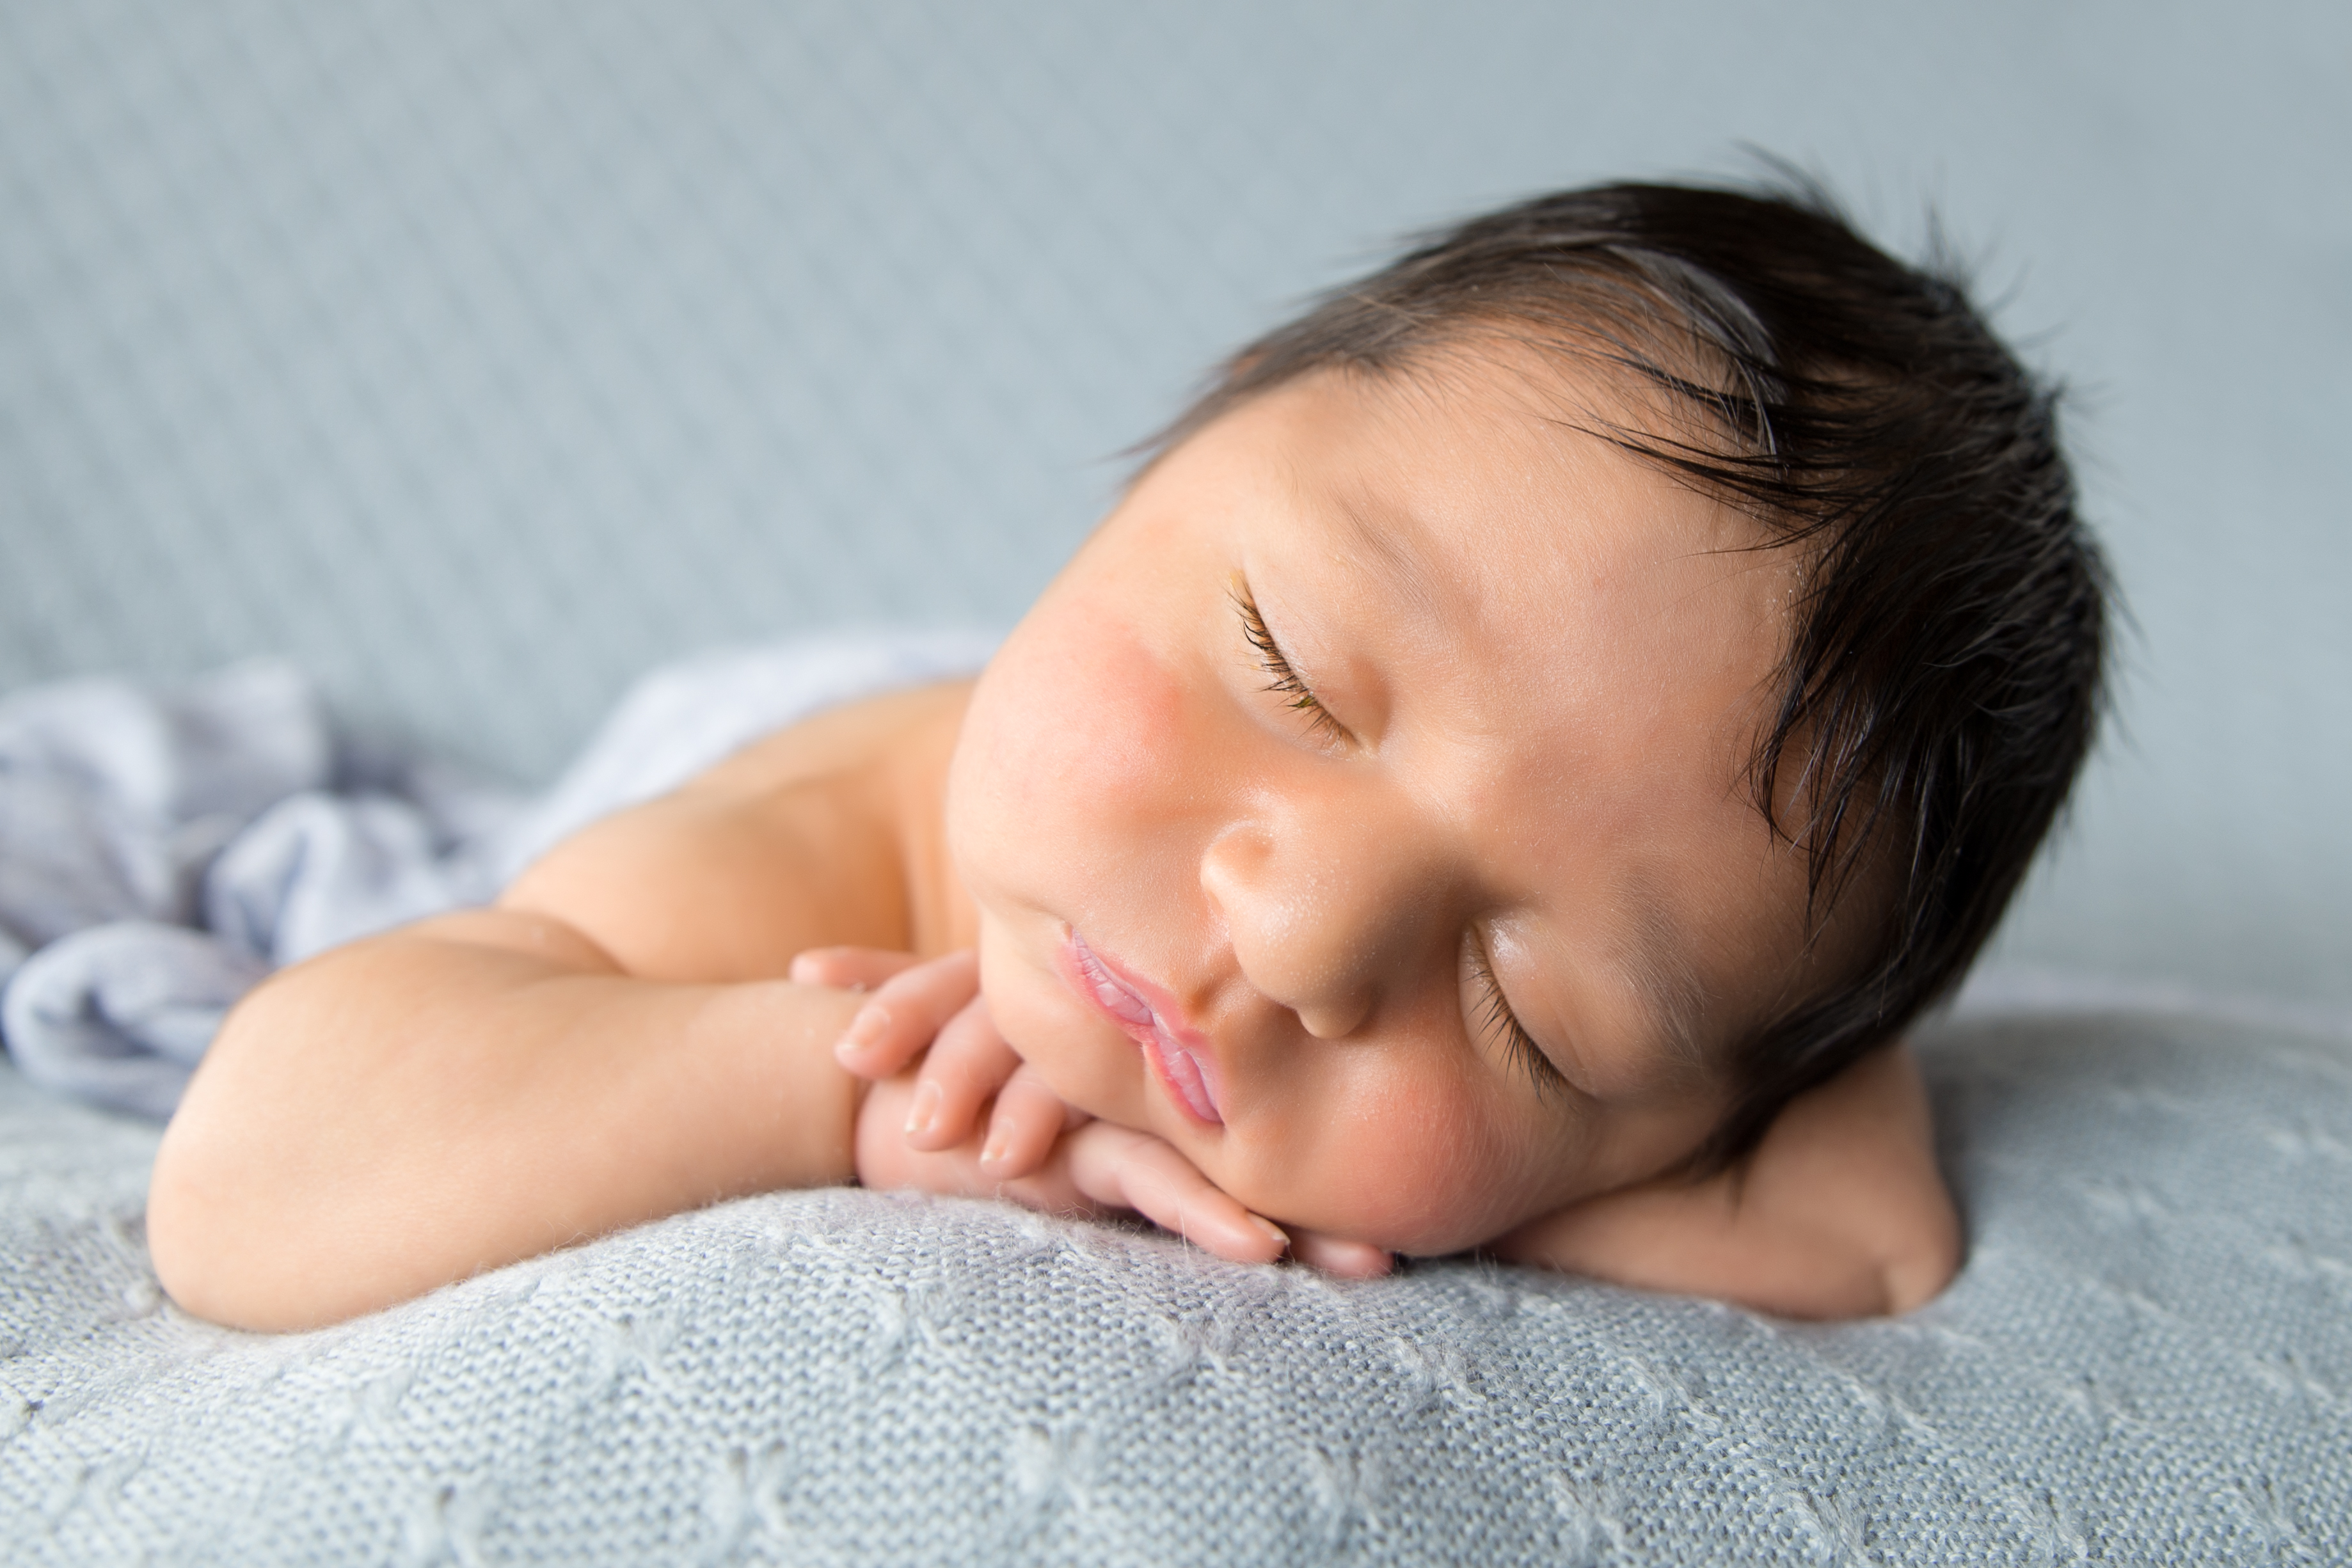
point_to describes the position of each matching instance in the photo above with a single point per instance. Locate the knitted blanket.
(2147, 1359)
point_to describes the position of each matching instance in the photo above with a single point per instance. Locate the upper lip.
(1152, 1018)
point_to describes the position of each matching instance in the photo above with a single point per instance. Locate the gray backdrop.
(476, 356)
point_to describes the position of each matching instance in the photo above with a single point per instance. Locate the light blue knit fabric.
(2148, 1360)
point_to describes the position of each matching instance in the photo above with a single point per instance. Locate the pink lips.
(1178, 1055)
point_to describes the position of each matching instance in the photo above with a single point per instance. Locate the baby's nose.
(1322, 913)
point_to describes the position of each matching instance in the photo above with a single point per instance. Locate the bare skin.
(1235, 965)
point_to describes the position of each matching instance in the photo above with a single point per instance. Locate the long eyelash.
(1520, 1048)
(1285, 682)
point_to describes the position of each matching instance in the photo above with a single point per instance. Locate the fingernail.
(996, 1149)
(1273, 1233)
(863, 1030)
(925, 1110)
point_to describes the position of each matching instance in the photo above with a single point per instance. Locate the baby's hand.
(1841, 1212)
(933, 1011)
(918, 1127)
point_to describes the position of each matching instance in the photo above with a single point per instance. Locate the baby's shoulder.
(798, 840)
(872, 744)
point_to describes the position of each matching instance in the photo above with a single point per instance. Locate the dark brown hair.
(1943, 679)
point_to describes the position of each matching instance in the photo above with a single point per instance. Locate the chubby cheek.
(1065, 764)
(1424, 1167)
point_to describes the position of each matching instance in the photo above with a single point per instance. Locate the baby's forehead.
(1569, 425)
(1492, 475)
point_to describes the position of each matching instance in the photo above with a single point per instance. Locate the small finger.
(906, 1013)
(965, 1065)
(1135, 1170)
(1345, 1259)
(848, 968)
(1028, 1117)
(885, 1163)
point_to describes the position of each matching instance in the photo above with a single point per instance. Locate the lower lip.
(1181, 1065)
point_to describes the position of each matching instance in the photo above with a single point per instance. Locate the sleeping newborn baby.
(1504, 775)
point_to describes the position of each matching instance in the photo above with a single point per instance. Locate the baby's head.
(1539, 711)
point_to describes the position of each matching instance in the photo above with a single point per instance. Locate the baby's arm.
(1840, 1213)
(420, 1106)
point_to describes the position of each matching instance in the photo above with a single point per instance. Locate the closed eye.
(1495, 1019)
(1285, 682)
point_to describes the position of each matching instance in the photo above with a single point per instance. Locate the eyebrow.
(1656, 958)
(1405, 569)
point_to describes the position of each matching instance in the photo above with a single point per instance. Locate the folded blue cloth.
(120, 1014)
(114, 797)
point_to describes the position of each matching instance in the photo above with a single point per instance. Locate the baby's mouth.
(1182, 1064)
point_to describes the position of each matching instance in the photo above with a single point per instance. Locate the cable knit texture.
(2148, 1359)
